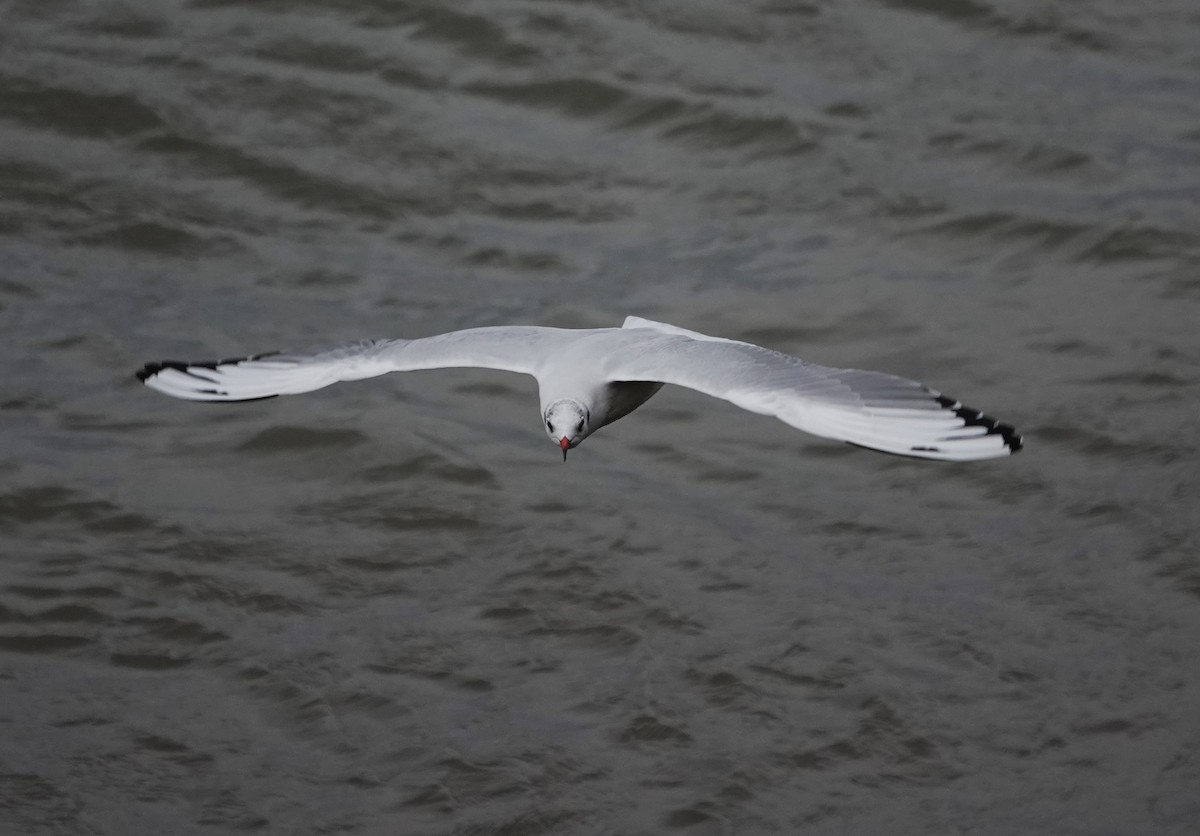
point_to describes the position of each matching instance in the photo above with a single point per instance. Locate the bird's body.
(588, 378)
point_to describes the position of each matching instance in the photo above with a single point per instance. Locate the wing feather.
(870, 409)
(512, 348)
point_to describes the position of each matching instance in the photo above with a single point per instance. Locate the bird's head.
(567, 423)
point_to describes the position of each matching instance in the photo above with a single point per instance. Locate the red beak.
(565, 444)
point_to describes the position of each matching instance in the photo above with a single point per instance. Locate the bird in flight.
(588, 378)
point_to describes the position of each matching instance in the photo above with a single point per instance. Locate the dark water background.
(388, 608)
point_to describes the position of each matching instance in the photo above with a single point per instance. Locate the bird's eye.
(579, 426)
(549, 426)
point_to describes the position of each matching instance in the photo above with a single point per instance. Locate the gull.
(589, 378)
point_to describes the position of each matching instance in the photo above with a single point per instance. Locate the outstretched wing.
(870, 409)
(512, 348)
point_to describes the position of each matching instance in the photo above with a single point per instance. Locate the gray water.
(389, 608)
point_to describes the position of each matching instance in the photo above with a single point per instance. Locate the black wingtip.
(151, 369)
(975, 418)
(228, 400)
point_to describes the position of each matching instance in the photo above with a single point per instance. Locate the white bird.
(588, 378)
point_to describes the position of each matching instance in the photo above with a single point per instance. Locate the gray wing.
(510, 348)
(870, 409)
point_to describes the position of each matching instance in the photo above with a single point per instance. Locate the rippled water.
(388, 607)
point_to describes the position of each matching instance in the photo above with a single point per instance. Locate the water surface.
(388, 607)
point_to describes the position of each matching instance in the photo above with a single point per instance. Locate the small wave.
(474, 35)
(433, 466)
(1097, 443)
(54, 503)
(159, 238)
(42, 643)
(1142, 243)
(290, 439)
(148, 661)
(1046, 23)
(280, 178)
(699, 124)
(320, 55)
(72, 112)
(381, 511)
(648, 729)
